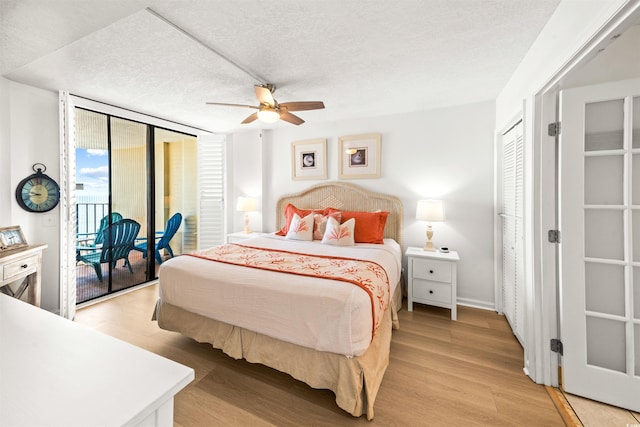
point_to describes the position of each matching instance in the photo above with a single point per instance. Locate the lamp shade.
(246, 204)
(268, 115)
(430, 210)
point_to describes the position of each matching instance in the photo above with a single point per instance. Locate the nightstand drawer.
(15, 268)
(428, 269)
(426, 290)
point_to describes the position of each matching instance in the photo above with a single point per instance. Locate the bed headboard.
(348, 197)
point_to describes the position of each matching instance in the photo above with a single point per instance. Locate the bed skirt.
(354, 380)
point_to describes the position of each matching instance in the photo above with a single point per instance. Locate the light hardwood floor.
(597, 414)
(441, 373)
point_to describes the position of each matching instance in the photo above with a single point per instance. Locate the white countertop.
(57, 372)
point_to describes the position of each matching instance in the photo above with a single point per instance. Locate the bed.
(272, 317)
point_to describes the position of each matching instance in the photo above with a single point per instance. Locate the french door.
(599, 214)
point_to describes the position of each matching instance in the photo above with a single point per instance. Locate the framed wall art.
(11, 238)
(309, 159)
(359, 156)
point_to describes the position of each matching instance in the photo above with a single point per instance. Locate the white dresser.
(432, 279)
(55, 372)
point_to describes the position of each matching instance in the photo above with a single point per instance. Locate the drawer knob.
(430, 271)
(24, 266)
(430, 292)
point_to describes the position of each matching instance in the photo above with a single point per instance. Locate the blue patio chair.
(117, 241)
(163, 243)
(83, 239)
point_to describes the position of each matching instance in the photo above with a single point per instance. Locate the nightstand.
(240, 236)
(432, 278)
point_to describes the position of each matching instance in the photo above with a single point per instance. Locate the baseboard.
(484, 305)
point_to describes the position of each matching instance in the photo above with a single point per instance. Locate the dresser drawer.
(18, 267)
(429, 269)
(426, 290)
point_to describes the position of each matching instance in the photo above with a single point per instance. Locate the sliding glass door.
(136, 195)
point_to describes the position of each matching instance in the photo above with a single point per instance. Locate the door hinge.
(556, 346)
(554, 236)
(554, 129)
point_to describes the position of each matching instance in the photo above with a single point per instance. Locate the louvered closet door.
(211, 177)
(512, 231)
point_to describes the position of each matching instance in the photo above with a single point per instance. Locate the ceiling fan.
(270, 111)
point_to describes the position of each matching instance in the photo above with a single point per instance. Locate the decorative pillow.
(320, 223)
(339, 234)
(301, 228)
(370, 228)
(289, 210)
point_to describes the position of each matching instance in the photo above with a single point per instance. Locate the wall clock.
(38, 192)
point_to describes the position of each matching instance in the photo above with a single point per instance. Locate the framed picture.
(359, 156)
(308, 159)
(11, 238)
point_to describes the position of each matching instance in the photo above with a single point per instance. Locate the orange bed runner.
(367, 275)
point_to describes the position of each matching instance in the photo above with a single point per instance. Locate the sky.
(92, 171)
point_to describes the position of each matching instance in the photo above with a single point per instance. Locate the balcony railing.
(88, 216)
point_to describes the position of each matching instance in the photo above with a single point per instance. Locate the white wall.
(244, 161)
(444, 153)
(5, 151)
(34, 138)
(568, 31)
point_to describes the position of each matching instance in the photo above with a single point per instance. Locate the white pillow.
(339, 234)
(301, 228)
(320, 223)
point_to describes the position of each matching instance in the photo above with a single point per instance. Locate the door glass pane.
(605, 288)
(604, 125)
(92, 200)
(129, 195)
(635, 216)
(606, 343)
(635, 177)
(604, 234)
(603, 180)
(176, 156)
(636, 123)
(636, 294)
(636, 337)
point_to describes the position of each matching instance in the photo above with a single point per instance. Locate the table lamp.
(430, 211)
(246, 205)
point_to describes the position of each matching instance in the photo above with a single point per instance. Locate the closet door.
(512, 230)
(212, 190)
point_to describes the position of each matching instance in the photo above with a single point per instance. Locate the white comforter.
(323, 314)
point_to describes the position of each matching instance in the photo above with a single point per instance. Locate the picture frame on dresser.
(12, 238)
(359, 156)
(308, 159)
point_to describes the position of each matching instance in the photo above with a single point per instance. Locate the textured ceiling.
(362, 58)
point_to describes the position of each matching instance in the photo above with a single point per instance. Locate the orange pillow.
(369, 225)
(290, 209)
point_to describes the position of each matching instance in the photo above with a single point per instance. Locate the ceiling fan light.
(268, 115)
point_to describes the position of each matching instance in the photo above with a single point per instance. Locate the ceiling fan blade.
(291, 118)
(303, 105)
(250, 119)
(264, 95)
(232, 105)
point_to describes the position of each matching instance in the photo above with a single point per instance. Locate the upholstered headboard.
(347, 197)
